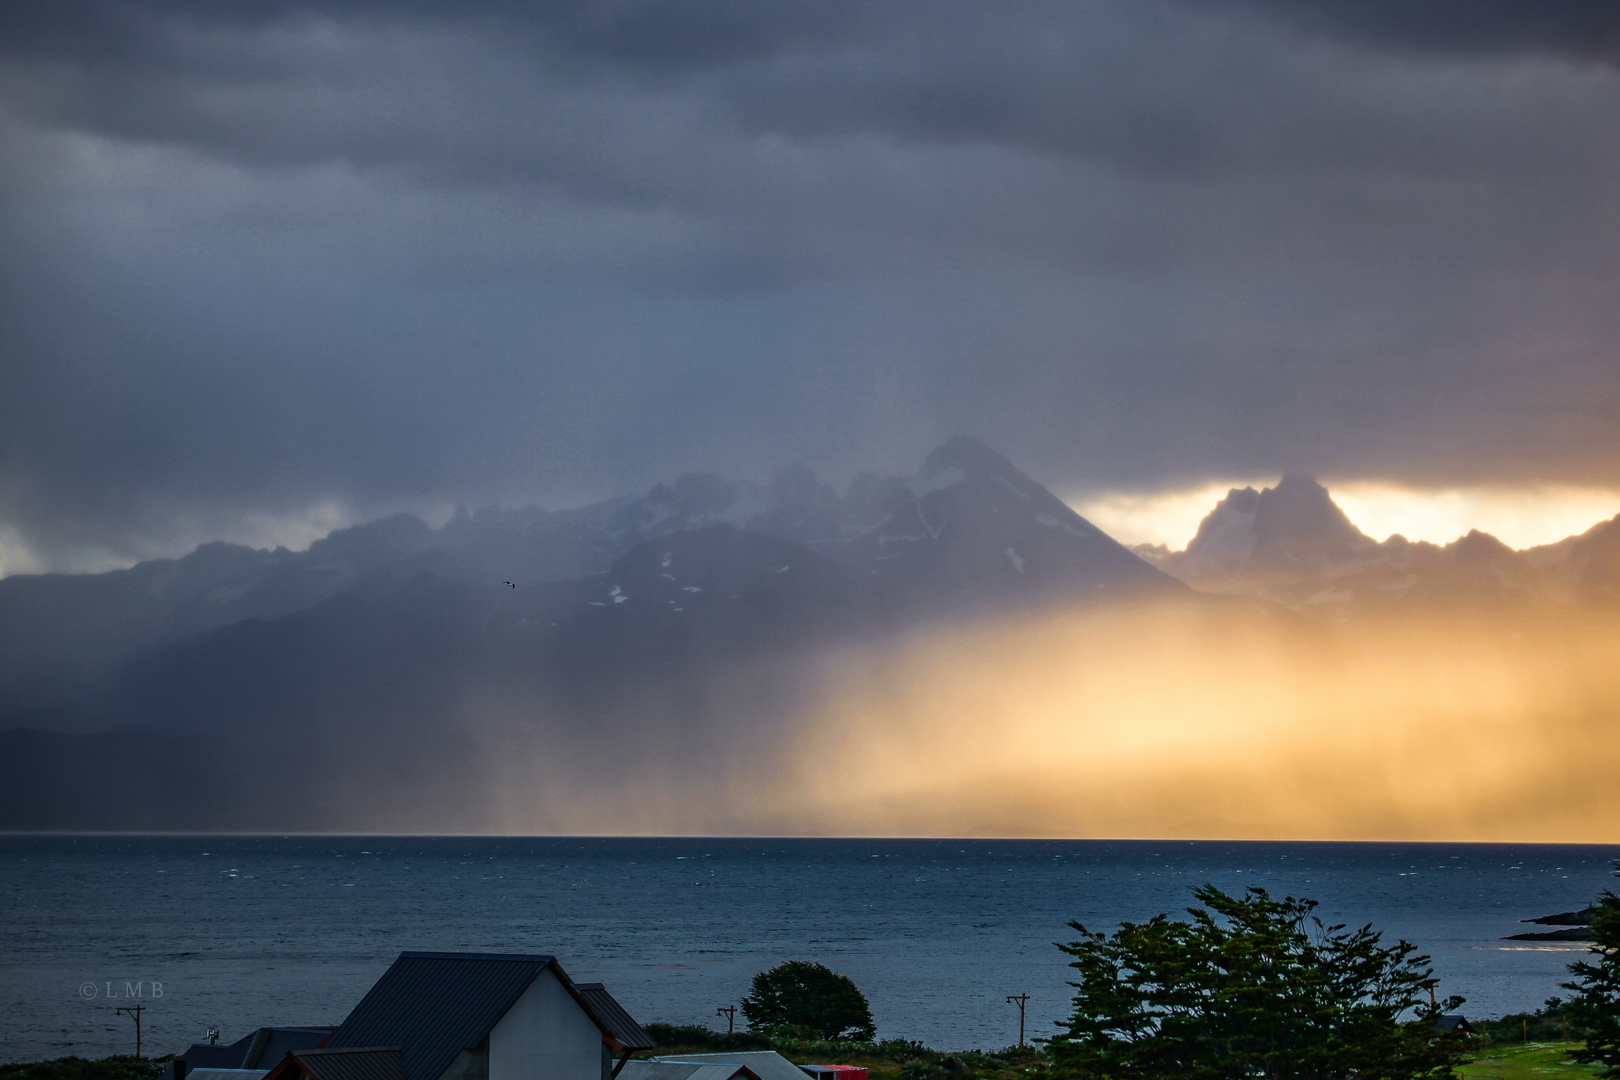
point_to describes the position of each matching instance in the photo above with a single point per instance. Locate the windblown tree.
(1251, 987)
(809, 998)
(1596, 1004)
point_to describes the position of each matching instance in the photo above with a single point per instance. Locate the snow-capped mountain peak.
(971, 526)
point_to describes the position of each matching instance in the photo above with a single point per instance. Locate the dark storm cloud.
(492, 92)
(262, 255)
(1579, 28)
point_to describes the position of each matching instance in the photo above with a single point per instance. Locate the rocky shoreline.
(1577, 926)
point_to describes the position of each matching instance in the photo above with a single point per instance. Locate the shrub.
(708, 1039)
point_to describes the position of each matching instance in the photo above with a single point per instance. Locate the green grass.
(1527, 1061)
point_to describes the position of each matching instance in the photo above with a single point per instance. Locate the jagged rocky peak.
(1480, 547)
(1293, 526)
(965, 481)
(1225, 538)
(697, 495)
(963, 457)
(695, 499)
(1298, 522)
(800, 506)
(972, 526)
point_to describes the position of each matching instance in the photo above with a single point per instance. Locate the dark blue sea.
(237, 932)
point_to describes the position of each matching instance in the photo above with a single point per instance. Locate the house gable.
(488, 1016)
(546, 1035)
(439, 1007)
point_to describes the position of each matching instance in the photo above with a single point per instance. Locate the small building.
(683, 1070)
(626, 1031)
(220, 1074)
(834, 1072)
(485, 1016)
(247, 1058)
(345, 1063)
(1453, 1024)
(763, 1064)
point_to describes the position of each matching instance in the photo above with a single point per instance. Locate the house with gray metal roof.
(625, 1029)
(251, 1054)
(765, 1064)
(489, 1016)
(225, 1074)
(684, 1070)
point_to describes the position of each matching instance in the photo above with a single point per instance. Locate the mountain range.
(1293, 545)
(389, 678)
(354, 665)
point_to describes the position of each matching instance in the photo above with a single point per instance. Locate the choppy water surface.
(244, 931)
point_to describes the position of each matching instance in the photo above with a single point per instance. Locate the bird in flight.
(510, 584)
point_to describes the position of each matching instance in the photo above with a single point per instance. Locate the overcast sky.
(279, 262)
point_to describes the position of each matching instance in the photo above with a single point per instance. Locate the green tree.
(799, 994)
(1250, 988)
(1596, 1004)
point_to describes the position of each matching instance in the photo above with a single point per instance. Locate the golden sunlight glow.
(1156, 517)
(1187, 721)
(1520, 516)
(15, 557)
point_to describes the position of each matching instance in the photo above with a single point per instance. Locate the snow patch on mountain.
(938, 480)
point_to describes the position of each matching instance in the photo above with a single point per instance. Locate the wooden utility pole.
(730, 1013)
(1020, 1000)
(134, 1013)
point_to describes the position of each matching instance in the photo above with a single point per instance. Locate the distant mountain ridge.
(265, 689)
(1294, 545)
(969, 529)
(386, 679)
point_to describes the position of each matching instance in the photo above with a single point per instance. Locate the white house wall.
(545, 1036)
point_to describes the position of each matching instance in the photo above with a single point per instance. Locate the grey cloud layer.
(263, 254)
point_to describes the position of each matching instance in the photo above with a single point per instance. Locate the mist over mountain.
(679, 622)
(681, 660)
(564, 670)
(1010, 539)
